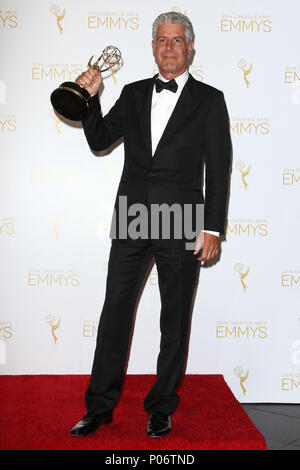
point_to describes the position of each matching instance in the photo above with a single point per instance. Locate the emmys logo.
(57, 121)
(247, 227)
(54, 175)
(244, 170)
(55, 9)
(292, 75)
(89, 329)
(242, 64)
(104, 266)
(8, 123)
(8, 19)
(178, 10)
(56, 221)
(6, 331)
(113, 70)
(5, 334)
(241, 329)
(290, 278)
(246, 24)
(195, 70)
(239, 268)
(7, 227)
(290, 382)
(113, 170)
(49, 71)
(153, 277)
(53, 278)
(250, 126)
(243, 376)
(290, 176)
(54, 325)
(113, 20)
(96, 226)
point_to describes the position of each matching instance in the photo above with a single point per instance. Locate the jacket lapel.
(145, 103)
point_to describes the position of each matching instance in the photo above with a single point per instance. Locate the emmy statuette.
(70, 99)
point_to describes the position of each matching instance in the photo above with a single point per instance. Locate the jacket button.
(153, 174)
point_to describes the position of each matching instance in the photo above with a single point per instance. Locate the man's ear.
(190, 48)
(153, 48)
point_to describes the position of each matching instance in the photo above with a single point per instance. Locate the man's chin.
(169, 69)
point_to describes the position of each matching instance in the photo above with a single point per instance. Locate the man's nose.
(169, 44)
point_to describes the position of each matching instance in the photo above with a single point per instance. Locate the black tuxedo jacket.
(197, 132)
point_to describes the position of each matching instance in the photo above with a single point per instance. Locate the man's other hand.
(210, 246)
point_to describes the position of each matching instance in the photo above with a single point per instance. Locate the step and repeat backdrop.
(57, 195)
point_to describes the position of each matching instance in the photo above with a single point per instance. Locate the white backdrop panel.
(57, 196)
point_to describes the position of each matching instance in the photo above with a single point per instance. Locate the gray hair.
(174, 17)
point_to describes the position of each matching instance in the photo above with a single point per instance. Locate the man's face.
(171, 50)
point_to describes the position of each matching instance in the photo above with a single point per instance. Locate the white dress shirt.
(163, 104)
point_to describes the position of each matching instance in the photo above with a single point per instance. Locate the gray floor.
(278, 423)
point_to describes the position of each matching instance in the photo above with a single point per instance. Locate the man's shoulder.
(139, 84)
(205, 87)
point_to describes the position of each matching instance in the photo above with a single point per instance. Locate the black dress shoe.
(90, 423)
(159, 424)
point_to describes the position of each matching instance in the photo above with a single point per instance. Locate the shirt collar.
(180, 80)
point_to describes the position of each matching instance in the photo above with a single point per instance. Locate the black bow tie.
(170, 85)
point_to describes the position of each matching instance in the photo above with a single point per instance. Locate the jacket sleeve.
(101, 132)
(217, 153)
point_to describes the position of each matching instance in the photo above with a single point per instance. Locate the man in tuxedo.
(172, 125)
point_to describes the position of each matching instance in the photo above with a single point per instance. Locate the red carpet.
(38, 411)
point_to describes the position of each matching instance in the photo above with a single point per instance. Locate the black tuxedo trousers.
(129, 265)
